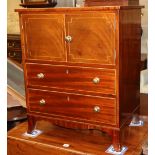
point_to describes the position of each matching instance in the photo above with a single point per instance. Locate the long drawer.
(71, 78)
(77, 106)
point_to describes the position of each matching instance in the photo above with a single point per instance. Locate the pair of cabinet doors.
(78, 38)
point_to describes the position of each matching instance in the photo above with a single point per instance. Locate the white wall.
(12, 17)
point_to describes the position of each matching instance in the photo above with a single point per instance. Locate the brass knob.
(40, 75)
(12, 54)
(142, 14)
(12, 44)
(42, 102)
(68, 39)
(97, 109)
(96, 80)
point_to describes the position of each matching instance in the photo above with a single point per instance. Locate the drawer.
(88, 108)
(15, 55)
(71, 78)
(16, 44)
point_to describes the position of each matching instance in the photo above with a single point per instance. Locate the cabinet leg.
(116, 141)
(31, 124)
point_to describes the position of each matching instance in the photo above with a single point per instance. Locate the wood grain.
(110, 2)
(91, 45)
(17, 95)
(69, 10)
(44, 36)
(73, 105)
(101, 36)
(129, 65)
(14, 51)
(91, 142)
(72, 78)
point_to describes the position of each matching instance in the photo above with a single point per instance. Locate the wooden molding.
(17, 95)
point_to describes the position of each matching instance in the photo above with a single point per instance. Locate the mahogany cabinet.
(82, 66)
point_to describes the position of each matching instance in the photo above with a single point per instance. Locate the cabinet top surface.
(96, 8)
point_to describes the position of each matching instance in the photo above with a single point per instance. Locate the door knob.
(96, 80)
(42, 102)
(68, 39)
(97, 109)
(40, 76)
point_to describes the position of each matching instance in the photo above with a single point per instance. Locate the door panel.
(93, 38)
(44, 37)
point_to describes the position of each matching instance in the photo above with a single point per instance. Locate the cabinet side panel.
(129, 60)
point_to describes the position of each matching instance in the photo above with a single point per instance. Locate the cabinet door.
(44, 36)
(92, 38)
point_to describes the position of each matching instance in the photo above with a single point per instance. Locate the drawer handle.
(40, 75)
(42, 102)
(12, 55)
(11, 44)
(97, 109)
(68, 39)
(96, 80)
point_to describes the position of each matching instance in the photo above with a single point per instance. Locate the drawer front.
(70, 105)
(72, 78)
(14, 50)
(15, 55)
(16, 44)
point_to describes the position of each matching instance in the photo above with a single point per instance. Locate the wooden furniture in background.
(14, 51)
(79, 67)
(144, 104)
(80, 142)
(110, 2)
(38, 3)
(143, 61)
(15, 114)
